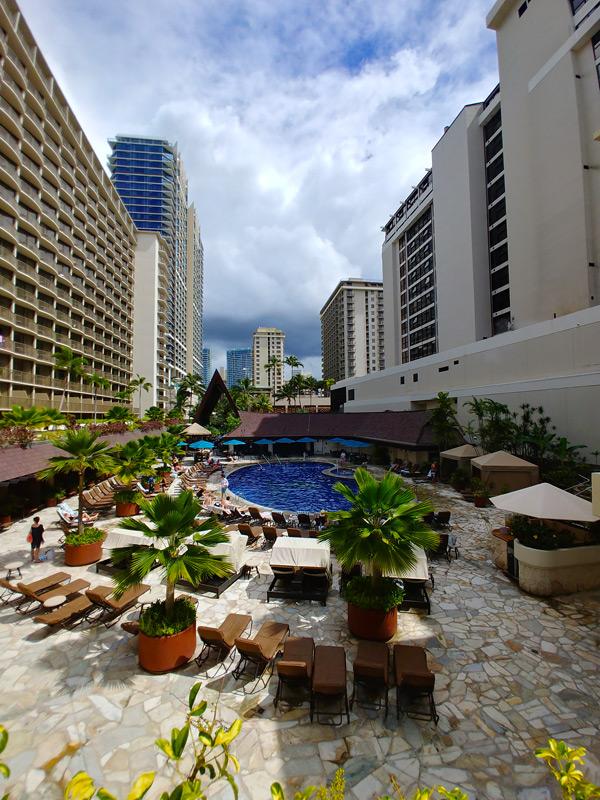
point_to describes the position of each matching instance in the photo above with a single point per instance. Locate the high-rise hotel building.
(149, 176)
(195, 293)
(491, 266)
(267, 348)
(352, 329)
(239, 365)
(66, 240)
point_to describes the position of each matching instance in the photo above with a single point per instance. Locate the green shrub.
(460, 479)
(535, 533)
(87, 536)
(154, 621)
(384, 596)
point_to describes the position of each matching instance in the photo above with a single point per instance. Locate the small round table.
(13, 566)
(55, 602)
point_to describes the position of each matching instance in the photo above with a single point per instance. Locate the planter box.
(499, 549)
(159, 654)
(127, 509)
(550, 572)
(367, 623)
(79, 555)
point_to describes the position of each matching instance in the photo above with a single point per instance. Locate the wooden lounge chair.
(255, 514)
(304, 520)
(253, 534)
(262, 649)
(68, 614)
(222, 639)
(295, 667)
(12, 591)
(413, 679)
(371, 671)
(271, 534)
(296, 533)
(107, 608)
(442, 519)
(329, 680)
(442, 549)
(31, 598)
(279, 519)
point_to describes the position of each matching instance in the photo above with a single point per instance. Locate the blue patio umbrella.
(306, 440)
(355, 443)
(264, 441)
(181, 444)
(337, 440)
(234, 442)
(284, 440)
(202, 445)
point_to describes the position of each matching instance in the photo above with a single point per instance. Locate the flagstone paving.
(511, 670)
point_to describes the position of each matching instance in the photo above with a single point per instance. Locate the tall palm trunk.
(64, 392)
(95, 403)
(170, 598)
(80, 487)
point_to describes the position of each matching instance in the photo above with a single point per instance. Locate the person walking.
(36, 536)
(224, 487)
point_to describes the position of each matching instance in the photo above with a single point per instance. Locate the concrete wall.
(552, 572)
(145, 316)
(459, 201)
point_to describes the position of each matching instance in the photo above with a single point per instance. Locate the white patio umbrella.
(545, 501)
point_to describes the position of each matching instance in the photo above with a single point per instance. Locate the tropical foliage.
(119, 414)
(71, 365)
(175, 541)
(140, 384)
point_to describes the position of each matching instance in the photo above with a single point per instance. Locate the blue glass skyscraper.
(239, 365)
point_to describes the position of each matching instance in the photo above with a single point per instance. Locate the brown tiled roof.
(17, 463)
(402, 428)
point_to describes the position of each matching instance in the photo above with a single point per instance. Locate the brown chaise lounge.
(68, 614)
(413, 679)
(107, 608)
(295, 667)
(35, 597)
(371, 671)
(253, 534)
(37, 586)
(222, 639)
(329, 680)
(262, 649)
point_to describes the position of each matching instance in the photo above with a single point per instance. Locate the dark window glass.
(493, 148)
(501, 323)
(576, 5)
(494, 169)
(415, 377)
(493, 125)
(501, 301)
(499, 256)
(496, 190)
(500, 278)
(596, 45)
(350, 394)
(497, 212)
(498, 234)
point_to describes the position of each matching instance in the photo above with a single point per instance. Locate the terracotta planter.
(164, 653)
(368, 623)
(5, 519)
(481, 502)
(127, 509)
(78, 555)
(52, 502)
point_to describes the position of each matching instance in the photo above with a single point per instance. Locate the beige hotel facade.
(491, 266)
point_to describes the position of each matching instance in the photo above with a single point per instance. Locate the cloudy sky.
(302, 125)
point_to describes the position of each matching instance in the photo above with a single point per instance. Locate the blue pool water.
(293, 486)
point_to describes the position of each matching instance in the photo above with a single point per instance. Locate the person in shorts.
(37, 539)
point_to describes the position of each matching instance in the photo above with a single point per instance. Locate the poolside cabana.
(196, 430)
(501, 471)
(458, 458)
(545, 501)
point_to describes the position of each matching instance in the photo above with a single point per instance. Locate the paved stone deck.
(511, 670)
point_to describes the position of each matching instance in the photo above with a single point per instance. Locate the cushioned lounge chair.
(295, 667)
(68, 614)
(371, 672)
(279, 519)
(296, 533)
(329, 680)
(262, 649)
(271, 534)
(253, 533)
(304, 520)
(222, 639)
(107, 608)
(32, 598)
(255, 514)
(12, 590)
(413, 679)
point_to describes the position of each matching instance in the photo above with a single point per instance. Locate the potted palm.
(83, 452)
(167, 637)
(132, 460)
(378, 531)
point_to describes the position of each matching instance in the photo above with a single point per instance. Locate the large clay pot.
(164, 653)
(52, 502)
(5, 519)
(368, 623)
(127, 509)
(78, 555)
(481, 502)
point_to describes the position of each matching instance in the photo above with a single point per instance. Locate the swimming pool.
(292, 486)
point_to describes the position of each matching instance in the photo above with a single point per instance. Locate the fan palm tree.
(142, 385)
(83, 452)
(163, 447)
(286, 392)
(311, 385)
(261, 403)
(31, 418)
(119, 414)
(174, 540)
(98, 382)
(379, 530)
(133, 459)
(73, 366)
(154, 414)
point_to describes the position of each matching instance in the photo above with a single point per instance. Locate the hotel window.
(576, 5)
(596, 46)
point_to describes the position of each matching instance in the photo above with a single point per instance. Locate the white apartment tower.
(352, 329)
(491, 266)
(66, 240)
(195, 293)
(267, 344)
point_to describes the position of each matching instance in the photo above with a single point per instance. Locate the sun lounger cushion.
(410, 667)
(228, 631)
(104, 596)
(372, 661)
(297, 660)
(71, 610)
(329, 673)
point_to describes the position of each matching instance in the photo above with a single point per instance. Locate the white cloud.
(302, 127)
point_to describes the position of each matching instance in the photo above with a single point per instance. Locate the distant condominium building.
(150, 319)
(66, 241)
(352, 329)
(267, 349)
(195, 293)
(149, 176)
(491, 266)
(207, 371)
(239, 365)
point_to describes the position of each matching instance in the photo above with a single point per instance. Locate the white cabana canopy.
(463, 451)
(196, 430)
(545, 501)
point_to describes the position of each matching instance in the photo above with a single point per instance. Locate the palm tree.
(379, 530)
(119, 414)
(595, 453)
(98, 382)
(174, 540)
(132, 459)
(287, 392)
(31, 418)
(142, 385)
(73, 366)
(83, 452)
(443, 421)
(154, 414)
(243, 393)
(272, 364)
(164, 447)
(261, 403)
(297, 384)
(124, 394)
(189, 386)
(326, 385)
(311, 385)
(293, 362)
